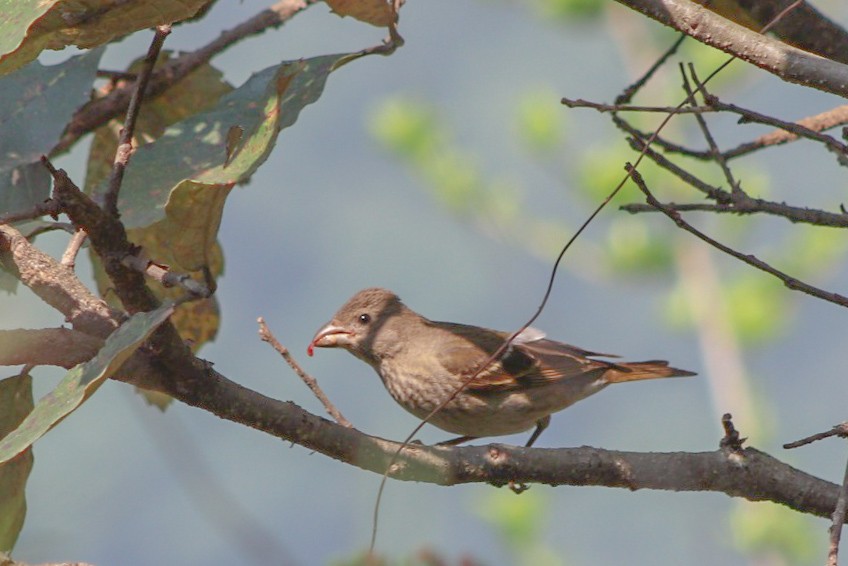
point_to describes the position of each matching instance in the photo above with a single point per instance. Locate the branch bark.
(788, 63)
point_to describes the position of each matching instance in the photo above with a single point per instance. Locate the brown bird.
(423, 362)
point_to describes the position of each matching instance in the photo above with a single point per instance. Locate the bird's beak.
(330, 336)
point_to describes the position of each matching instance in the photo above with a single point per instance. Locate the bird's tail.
(636, 371)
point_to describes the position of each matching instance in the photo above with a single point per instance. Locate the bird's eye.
(365, 318)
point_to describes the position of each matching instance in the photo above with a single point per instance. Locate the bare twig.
(715, 193)
(735, 189)
(796, 128)
(602, 108)
(628, 93)
(69, 258)
(818, 123)
(839, 430)
(166, 276)
(755, 206)
(751, 260)
(266, 336)
(124, 149)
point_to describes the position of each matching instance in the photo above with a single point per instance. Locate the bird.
(422, 363)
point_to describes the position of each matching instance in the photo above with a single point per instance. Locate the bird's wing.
(529, 361)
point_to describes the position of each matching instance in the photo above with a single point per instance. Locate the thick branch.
(58, 286)
(751, 474)
(55, 284)
(47, 347)
(788, 63)
(804, 27)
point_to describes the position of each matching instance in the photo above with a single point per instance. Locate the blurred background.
(450, 173)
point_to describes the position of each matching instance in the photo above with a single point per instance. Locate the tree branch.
(55, 284)
(755, 206)
(47, 347)
(750, 474)
(751, 260)
(804, 27)
(786, 62)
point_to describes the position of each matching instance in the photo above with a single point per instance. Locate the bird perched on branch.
(423, 363)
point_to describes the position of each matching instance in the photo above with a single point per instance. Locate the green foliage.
(569, 10)
(766, 530)
(520, 523)
(540, 121)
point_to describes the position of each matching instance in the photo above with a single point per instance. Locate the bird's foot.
(518, 488)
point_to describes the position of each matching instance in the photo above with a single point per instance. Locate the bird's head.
(367, 325)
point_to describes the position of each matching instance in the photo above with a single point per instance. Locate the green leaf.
(195, 149)
(30, 26)
(82, 381)
(635, 246)
(35, 105)
(15, 404)
(198, 92)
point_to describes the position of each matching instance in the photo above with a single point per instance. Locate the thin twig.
(751, 260)
(735, 189)
(818, 123)
(125, 149)
(166, 276)
(839, 514)
(715, 193)
(69, 258)
(792, 127)
(602, 108)
(839, 430)
(628, 93)
(266, 336)
(754, 206)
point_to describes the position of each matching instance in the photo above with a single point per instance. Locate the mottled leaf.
(35, 105)
(196, 148)
(30, 26)
(82, 381)
(15, 404)
(199, 91)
